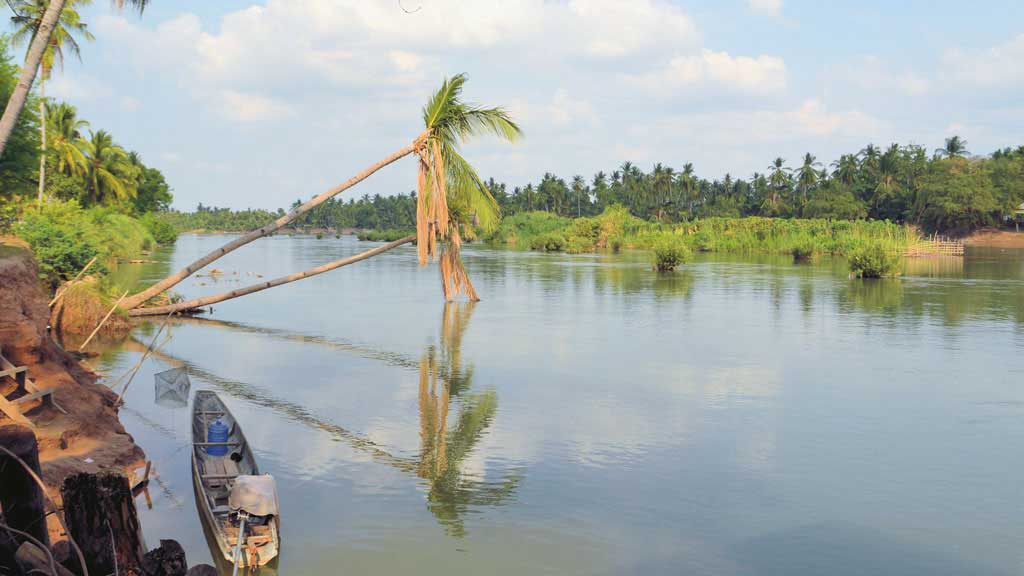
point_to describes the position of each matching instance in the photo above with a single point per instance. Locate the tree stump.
(167, 560)
(100, 514)
(21, 498)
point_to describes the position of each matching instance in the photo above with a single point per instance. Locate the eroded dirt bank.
(89, 438)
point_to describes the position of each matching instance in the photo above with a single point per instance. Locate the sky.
(254, 104)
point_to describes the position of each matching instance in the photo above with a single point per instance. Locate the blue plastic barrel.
(217, 431)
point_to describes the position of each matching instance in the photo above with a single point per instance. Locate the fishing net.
(172, 388)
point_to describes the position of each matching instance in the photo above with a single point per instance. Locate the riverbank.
(89, 437)
(992, 238)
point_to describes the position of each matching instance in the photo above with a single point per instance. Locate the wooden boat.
(230, 491)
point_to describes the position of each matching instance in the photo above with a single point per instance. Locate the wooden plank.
(32, 396)
(14, 413)
(12, 372)
(28, 385)
(219, 476)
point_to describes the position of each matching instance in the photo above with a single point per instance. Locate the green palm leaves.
(28, 16)
(65, 131)
(108, 171)
(452, 199)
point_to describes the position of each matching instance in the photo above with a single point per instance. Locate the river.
(743, 415)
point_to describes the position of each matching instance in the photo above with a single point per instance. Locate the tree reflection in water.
(444, 448)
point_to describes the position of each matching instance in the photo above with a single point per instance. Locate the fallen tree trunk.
(100, 515)
(137, 300)
(208, 300)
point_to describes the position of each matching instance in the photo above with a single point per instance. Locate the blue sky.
(245, 103)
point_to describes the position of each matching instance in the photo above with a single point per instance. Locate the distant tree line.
(945, 191)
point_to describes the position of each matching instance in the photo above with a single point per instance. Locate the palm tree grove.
(585, 287)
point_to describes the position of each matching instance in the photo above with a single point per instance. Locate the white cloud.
(130, 103)
(998, 67)
(565, 110)
(872, 75)
(77, 88)
(771, 8)
(244, 107)
(712, 70)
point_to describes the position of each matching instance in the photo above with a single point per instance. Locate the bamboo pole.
(206, 301)
(141, 360)
(102, 322)
(69, 282)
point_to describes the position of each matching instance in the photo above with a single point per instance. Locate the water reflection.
(443, 376)
(443, 451)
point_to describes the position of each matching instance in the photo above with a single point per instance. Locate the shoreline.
(89, 437)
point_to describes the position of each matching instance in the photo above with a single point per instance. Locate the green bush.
(615, 243)
(160, 227)
(64, 237)
(669, 253)
(550, 242)
(805, 252)
(61, 246)
(874, 261)
(384, 235)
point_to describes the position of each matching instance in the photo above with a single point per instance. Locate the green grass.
(389, 235)
(616, 229)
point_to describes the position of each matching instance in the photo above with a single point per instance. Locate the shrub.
(874, 261)
(669, 253)
(577, 245)
(319, 236)
(549, 242)
(64, 237)
(805, 252)
(389, 235)
(615, 243)
(160, 227)
(62, 248)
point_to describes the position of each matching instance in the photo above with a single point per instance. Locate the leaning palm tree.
(107, 170)
(451, 197)
(34, 59)
(68, 145)
(27, 21)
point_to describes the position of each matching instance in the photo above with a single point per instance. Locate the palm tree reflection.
(443, 450)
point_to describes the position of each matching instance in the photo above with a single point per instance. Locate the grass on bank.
(64, 237)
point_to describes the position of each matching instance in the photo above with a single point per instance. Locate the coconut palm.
(27, 20)
(807, 175)
(65, 132)
(888, 170)
(33, 60)
(955, 147)
(688, 186)
(845, 169)
(107, 170)
(450, 196)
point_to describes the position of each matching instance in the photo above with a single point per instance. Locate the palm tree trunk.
(200, 302)
(136, 300)
(28, 74)
(42, 138)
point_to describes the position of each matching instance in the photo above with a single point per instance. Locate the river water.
(743, 415)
